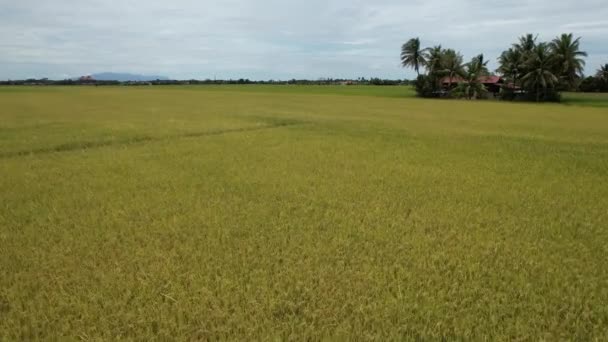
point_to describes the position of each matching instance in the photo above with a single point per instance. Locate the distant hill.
(112, 76)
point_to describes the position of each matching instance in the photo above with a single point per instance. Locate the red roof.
(490, 79)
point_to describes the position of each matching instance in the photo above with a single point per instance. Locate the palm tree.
(412, 56)
(482, 64)
(539, 66)
(452, 64)
(434, 57)
(471, 86)
(511, 64)
(569, 64)
(518, 58)
(602, 72)
(526, 43)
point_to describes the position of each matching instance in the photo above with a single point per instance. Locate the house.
(87, 78)
(491, 83)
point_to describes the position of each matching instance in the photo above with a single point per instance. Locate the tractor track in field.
(89, 145)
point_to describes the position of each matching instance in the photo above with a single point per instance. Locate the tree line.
(598, 82)
(530, 70)
(242, 81)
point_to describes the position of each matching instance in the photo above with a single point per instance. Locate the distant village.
(89, 80)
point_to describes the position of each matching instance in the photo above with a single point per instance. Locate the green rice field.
(300, 213)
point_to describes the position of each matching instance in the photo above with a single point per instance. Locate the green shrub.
(426, 86)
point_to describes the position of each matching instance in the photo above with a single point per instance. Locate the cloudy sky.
(278, 39)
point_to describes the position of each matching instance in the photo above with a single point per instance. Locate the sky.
(273, 39)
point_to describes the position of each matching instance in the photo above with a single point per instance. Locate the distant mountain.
(112, 76)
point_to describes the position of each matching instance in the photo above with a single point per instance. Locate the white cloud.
(272, 38)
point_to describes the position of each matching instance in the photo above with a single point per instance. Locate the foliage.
(568, 60)
(426, 86)
(526, 44)
(602, 72)
(412, 55)
(481, 65)
(471, 86)
(540, 78)
(597, 83)
(592, 84)
(434, 59)
(539, 69)
(511, 65)
(439, 63)
(532, 70)
(452, 65)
